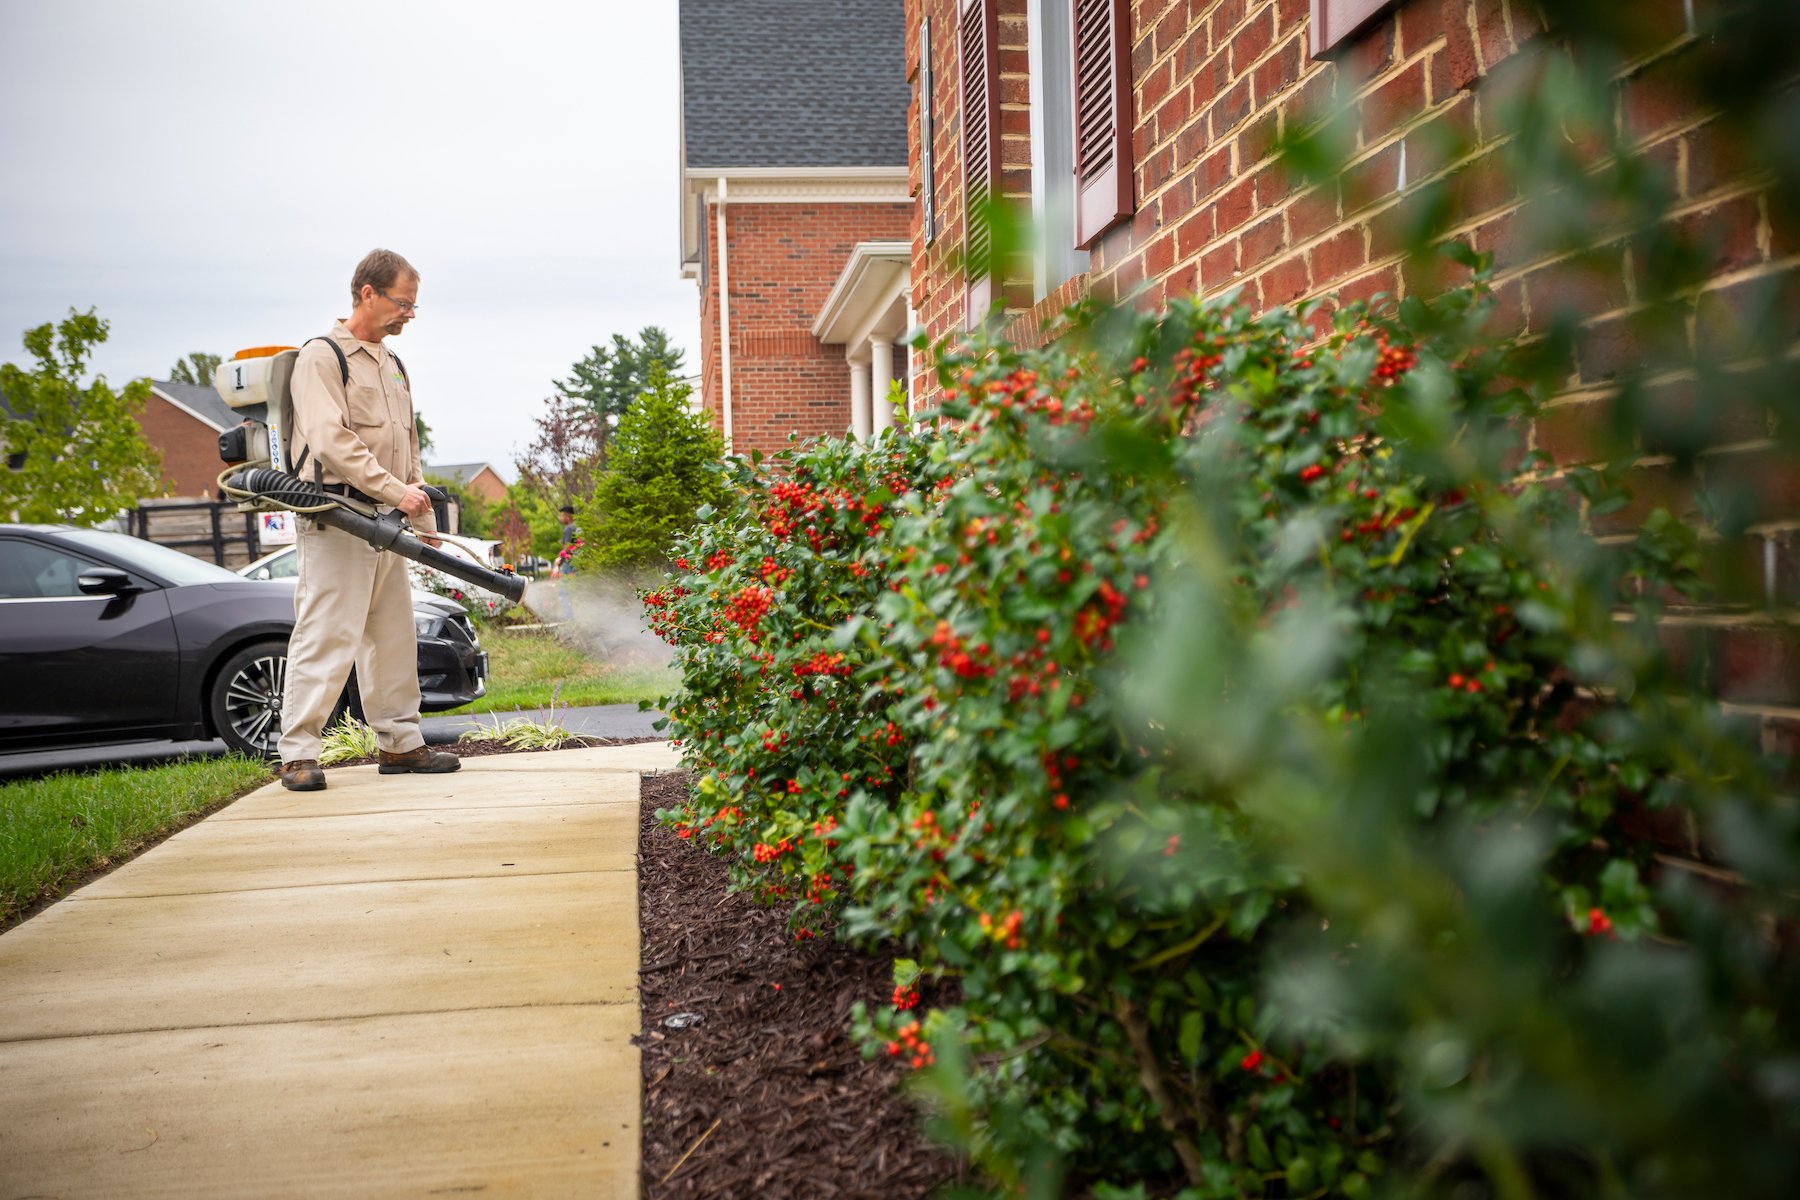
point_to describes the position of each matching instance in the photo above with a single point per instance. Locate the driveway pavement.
(400, 986)
(607, 720)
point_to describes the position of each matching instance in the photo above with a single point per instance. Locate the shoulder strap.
(343, 363)
(343, 379)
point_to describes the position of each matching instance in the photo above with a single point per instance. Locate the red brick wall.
(782, 262)
(488, 485)
(189, 448)
(1214, 80)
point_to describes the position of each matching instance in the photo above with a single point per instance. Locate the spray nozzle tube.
(386, 532)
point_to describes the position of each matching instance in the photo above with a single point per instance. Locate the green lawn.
(527, 667)
(55, 830)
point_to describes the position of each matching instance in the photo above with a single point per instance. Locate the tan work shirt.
(361, 434)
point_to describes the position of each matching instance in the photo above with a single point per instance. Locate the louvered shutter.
(1335, 20)
(978, 40)
(1102, 117)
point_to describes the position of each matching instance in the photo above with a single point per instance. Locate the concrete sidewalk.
(400, 986)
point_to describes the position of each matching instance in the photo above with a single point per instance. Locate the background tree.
(562, 459)
(79, 453)
(662, 471)
(424, 432)
(197, 369)
(512, 531)
(527, 523)
(611, 377)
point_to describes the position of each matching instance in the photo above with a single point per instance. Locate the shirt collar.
(350, 341)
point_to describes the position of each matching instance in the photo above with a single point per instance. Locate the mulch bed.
(765, 1095)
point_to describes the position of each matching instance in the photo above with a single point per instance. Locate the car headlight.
(426, 624)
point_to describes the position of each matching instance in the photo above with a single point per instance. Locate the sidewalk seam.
(32, 1039)
(339, 883)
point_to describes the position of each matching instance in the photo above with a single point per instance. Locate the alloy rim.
(253, 701)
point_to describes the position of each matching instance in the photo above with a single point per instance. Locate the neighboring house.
(795, 213)
(183, 423)
(479, 479)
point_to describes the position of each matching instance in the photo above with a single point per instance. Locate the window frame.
(1100, 46)
(982, 18)
(1333, 21)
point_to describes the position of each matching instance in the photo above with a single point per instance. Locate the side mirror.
(104, 581)
(260, 573)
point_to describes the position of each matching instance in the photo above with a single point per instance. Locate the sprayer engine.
(256, 384)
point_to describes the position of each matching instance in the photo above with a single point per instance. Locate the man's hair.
(568, 508)
(380, 269)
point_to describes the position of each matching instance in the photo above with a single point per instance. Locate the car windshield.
(151, 558)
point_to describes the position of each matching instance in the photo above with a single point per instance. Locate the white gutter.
(724, 321)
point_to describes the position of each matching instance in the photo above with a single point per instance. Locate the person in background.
(571, 541)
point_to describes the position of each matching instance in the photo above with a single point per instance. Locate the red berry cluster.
(1005, 930)
(1093, 622)
(747, 606)
(794, 506)
(764, 852)
(905, 997)
(822, 663)
(1392, 362)
(1191, 366)
(1461, 683)
(952, 655)
(665, 621)
(917, 1049)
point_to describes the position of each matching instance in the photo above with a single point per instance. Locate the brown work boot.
(302, 775)
(423, 761)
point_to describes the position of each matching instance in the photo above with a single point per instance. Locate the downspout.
(724, 321)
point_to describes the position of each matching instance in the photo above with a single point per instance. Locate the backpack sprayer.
(256, 384)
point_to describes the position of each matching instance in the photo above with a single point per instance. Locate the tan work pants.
(352, 605)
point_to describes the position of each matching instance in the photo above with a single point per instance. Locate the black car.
(109, 638)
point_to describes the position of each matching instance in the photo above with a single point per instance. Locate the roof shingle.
(793, 83)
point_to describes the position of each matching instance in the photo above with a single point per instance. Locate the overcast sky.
(206, 173)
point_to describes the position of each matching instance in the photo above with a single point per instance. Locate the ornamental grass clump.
(1253, 760)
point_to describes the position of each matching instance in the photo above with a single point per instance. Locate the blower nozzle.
(386, 532)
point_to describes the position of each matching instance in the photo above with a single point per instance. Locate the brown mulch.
(765, 1095)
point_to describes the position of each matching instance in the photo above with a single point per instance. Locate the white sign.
(275, 529)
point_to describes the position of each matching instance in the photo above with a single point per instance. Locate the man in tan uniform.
(353, 603)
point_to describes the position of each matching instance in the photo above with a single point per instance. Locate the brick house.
(478, 478)
(1176, 190)
(183, 422)
(795, 214)
(1138, 132)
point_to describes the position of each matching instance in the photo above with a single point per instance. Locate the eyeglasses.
(405, 306)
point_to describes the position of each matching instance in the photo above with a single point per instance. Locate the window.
(29, 571)
(1102, 117)
(1335, 20)
(1051, 39)
(978, 37)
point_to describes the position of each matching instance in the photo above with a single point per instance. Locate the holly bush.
(1263, 774)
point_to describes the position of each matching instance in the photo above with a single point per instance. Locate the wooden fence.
(203, 528)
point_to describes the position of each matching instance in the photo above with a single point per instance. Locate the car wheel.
(245, 702)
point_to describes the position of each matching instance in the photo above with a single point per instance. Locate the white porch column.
(861, 414)
(881, 362)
